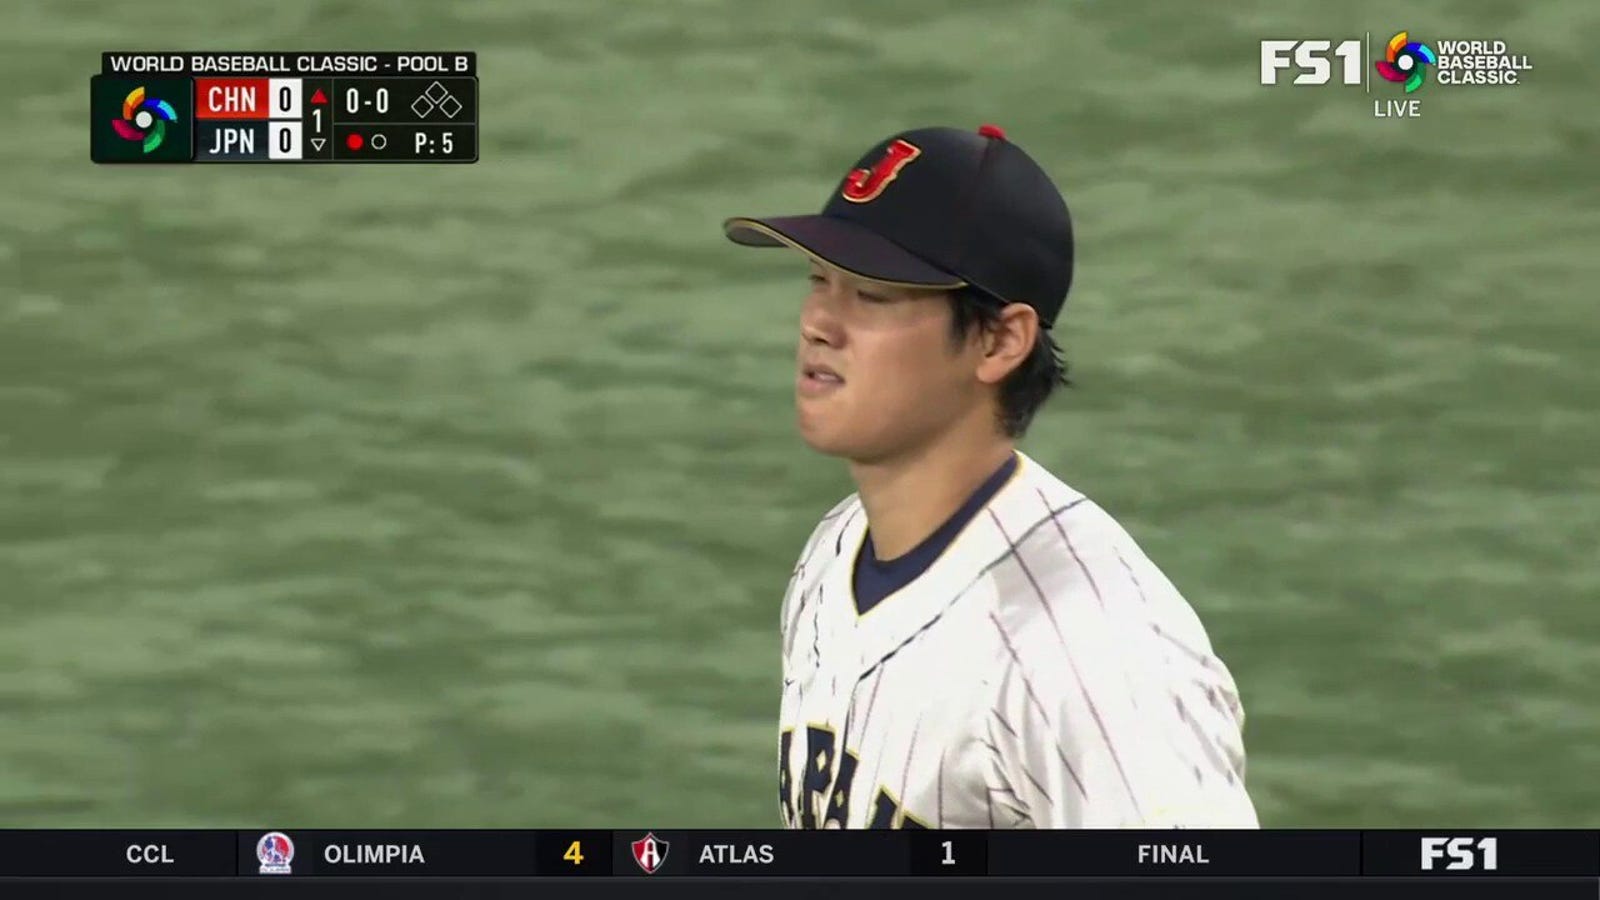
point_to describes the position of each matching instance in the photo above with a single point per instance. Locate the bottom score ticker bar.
(668, 854)
(794, 889)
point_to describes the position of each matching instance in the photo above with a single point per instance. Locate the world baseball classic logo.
(1406, 61)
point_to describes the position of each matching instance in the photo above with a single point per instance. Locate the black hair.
(1032, 382)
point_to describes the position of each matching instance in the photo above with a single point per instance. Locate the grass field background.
(453, 496)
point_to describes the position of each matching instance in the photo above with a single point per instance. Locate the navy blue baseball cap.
(939, 208)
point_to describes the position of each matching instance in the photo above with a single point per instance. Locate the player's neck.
(907, 498)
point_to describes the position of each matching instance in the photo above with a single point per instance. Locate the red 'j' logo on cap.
(650, 852)
(863, 185)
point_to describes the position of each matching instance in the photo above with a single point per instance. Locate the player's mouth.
(816, 380)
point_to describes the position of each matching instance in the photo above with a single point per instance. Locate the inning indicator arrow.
(316, 143)
(319, 97)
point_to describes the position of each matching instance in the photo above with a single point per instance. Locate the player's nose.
(819, 319)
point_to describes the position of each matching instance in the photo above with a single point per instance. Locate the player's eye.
(871, 297)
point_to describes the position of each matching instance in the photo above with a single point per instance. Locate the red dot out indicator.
(354, 142)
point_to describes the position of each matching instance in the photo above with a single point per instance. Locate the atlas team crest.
(650, 852)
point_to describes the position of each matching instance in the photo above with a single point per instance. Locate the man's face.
(879, 373)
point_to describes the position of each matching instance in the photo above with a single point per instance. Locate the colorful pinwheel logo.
(1405, 61)
(144, 119)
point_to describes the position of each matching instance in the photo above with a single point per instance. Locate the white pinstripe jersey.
(1042, 673)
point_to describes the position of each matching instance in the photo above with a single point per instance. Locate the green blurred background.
(453, 496)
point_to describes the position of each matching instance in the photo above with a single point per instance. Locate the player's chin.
(854, 445)
(825, 433)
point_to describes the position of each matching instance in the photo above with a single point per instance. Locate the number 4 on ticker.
(574, 853)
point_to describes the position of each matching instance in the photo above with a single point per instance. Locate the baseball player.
(967, 641)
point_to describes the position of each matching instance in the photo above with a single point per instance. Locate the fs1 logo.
(1310, 59)
(1464, 853)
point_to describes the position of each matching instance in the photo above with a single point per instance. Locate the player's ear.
(1007, 342)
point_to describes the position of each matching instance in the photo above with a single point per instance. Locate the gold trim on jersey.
(862, 543)
(786, 787)
(826, 766)
(900, 816)
(842, 790)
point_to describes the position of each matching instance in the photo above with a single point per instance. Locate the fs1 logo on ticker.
(1403, 63)
(1464, 854)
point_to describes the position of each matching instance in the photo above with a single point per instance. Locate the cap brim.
(844, 245)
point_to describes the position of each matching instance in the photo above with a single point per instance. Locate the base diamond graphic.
(450, 107)
(422, 106)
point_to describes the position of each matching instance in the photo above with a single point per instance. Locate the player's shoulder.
(1043, 514)
(1076, 569)
(1063, 547)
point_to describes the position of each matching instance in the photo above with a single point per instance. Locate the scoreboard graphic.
(284, 107)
